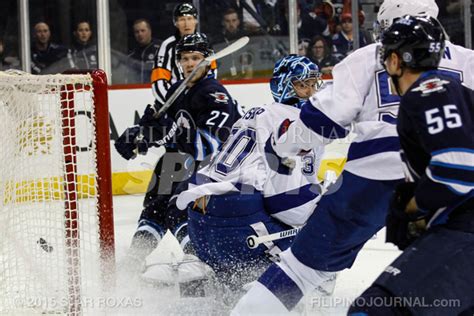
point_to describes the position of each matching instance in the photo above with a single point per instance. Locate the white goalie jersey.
(248, 164)
(361, 95)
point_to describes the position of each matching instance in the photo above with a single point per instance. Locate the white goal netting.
(50, 243)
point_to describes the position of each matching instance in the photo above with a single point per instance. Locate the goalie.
(196, 124)
(250, 191)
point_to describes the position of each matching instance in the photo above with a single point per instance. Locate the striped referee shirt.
(166, 70)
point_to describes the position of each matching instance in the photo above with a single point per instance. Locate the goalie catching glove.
(150, 132)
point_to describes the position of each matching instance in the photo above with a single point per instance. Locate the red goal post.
(56, 214)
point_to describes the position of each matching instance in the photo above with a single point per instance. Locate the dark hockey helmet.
(196, 42)
(288, 69)
(418, 40)
(184, 9)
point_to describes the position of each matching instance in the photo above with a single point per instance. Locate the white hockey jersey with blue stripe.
(360, 95)
(247, 164)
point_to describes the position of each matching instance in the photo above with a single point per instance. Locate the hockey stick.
(254, 241)
(241, 42)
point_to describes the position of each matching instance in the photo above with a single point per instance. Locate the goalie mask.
(288, 70)
(390, 10)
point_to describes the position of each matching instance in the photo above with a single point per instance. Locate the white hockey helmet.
(392, 9)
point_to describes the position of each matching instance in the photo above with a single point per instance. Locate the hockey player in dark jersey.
(196, 124)
(431, 215)
(166, 72)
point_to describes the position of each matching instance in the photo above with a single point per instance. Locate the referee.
(166, 71)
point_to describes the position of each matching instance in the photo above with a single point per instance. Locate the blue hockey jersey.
(204, 114)
(436, 128)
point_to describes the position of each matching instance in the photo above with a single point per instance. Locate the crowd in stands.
(50, 57)
(324, 27)
(325, 32)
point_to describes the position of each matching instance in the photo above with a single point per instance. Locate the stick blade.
(235, 46)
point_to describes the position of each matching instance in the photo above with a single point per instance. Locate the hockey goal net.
(56, 222)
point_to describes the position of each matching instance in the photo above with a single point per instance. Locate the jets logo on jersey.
(220, 97)
(185, 120)
(432, 85)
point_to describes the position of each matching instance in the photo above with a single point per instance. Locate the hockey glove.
(147, 118)
(401, 226)
(131, 142)
(162, 129)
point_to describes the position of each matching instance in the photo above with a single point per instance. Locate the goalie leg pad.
(193, 276)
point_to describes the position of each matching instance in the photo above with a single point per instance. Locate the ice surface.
(136, 300)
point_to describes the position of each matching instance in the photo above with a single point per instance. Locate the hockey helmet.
(287, 70)
(419, 41)
(390, 10)
(184, 9)
(196, 42)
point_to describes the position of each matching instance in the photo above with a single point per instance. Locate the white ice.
(372, 260)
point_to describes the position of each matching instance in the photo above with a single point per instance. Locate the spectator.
(309, 23)
(258, 16)
(312, 24)
(320, 54)
(45, 55)
(83, 53)
(232, 27)
(6, 61)
(343, 41)
(143, 56)
(303, 47)
(338, 8)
